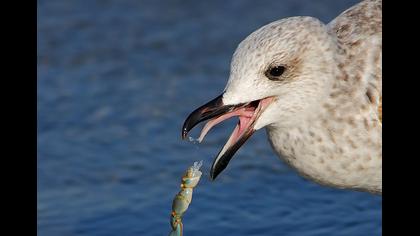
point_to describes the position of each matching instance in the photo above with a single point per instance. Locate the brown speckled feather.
(325, 120)
(359, 34)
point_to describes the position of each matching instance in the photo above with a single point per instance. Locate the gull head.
(279, 74)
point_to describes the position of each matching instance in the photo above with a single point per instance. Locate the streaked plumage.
(323, 114)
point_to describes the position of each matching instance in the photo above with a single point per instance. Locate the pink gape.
(247, 115)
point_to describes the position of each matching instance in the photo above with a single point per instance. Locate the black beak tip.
(207, 111)
(216, 169)
(213, 175)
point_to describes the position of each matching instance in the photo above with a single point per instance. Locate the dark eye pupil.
(277, 71)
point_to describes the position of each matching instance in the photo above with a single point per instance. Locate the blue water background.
(116, 79)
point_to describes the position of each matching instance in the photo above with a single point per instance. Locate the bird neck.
(336, 146)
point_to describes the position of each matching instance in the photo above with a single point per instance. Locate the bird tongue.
(245, 115)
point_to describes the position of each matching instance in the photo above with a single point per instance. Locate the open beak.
(215, 111)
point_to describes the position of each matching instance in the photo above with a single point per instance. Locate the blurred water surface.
(116, 80)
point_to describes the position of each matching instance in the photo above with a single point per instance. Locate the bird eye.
(275, 72)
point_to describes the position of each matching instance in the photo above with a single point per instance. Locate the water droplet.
(196, 166)
(193, 140)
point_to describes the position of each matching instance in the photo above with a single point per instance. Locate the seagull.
(316, 89)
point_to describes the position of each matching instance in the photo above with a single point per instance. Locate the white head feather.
(300, 44)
